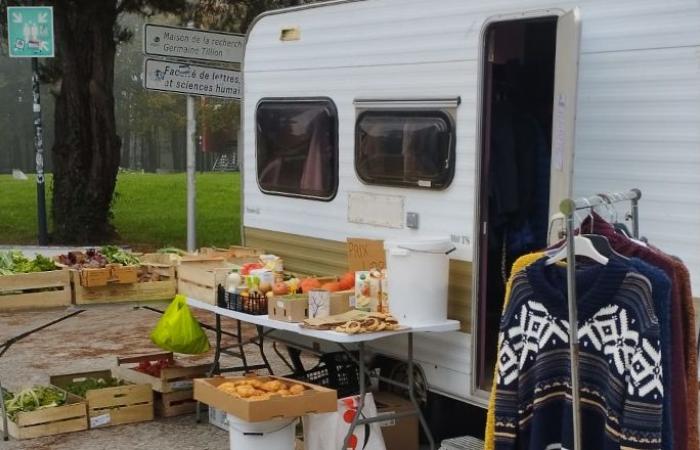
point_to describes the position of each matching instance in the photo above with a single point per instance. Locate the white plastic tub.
(277, 434)
(418, 272)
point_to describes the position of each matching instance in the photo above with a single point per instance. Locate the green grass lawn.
(149, 210)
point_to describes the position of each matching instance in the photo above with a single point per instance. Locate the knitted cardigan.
(619, 361)
(519, 265)
(661, 295)
(684, 398)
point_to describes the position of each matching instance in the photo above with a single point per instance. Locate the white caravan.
(402, 118)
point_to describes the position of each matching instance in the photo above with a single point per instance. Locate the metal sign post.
(177, 75)
(30, 35)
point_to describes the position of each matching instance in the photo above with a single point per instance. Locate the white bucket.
(418, 273)
(277, 434)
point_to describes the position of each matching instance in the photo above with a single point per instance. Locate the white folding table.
(360, 340)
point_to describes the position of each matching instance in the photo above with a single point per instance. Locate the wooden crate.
(200, 279)
(176, 403)
(171, 379)
(94, 277)
(112, 406)
(165, 289)
(50, 421)
(124, 274)
(38, 290)
(234, 251)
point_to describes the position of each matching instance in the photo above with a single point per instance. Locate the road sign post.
(175, 76)
(30, 35)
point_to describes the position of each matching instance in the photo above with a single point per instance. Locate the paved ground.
(92, 341)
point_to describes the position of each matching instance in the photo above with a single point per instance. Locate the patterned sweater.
(619, 362)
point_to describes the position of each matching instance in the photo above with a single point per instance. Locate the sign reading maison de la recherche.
(30, 31)
(188, 43)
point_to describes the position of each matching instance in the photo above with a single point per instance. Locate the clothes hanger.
(583, 246)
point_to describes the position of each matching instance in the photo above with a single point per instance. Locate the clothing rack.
(568, 207)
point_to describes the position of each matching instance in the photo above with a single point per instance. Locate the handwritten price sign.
(365, 254)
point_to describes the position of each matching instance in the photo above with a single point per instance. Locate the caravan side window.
(297, 147)
(405, 148)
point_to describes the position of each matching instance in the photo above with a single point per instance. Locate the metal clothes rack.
(568, 207)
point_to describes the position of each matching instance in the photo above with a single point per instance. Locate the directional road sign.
(188, 43)
(30, 31)
(182, 78)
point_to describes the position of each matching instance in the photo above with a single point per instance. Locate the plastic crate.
(462, 443)
(253, 304)
(336, 371)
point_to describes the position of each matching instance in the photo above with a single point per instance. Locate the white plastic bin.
(277, 434)
(418, 272)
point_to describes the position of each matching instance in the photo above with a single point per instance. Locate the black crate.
(335, 371)
(253, 303)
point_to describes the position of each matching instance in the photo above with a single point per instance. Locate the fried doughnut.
(296, 389)
(283, 392)
(271, 386)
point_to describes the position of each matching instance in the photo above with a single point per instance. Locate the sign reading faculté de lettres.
(30, 31)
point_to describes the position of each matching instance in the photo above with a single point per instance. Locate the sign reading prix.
(171, 76)
(30, 31)
(188, 43)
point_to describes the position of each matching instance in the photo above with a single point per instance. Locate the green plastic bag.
(178, 331)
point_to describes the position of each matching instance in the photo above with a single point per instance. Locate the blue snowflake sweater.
(619, 362)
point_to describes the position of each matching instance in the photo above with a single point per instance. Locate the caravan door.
(566, 65)
(529, 89)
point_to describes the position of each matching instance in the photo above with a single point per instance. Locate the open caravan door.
(568, 48)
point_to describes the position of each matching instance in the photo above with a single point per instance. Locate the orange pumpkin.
(309, 283)
(333, 286)
(280, 288)
(347, 281)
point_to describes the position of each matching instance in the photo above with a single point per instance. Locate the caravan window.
(297, 147)
(405, 148)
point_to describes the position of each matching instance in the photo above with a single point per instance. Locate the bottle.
(233, 281)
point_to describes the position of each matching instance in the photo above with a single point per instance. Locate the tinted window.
(405, 148)
(297, 148)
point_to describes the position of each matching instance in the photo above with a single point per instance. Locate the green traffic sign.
(30, 31)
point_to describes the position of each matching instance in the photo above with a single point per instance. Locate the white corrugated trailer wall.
(639, 116)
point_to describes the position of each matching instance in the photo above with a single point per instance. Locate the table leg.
(5, 435)
(215, 366)
(363, 392)
(261, 336)
(240, 346)
(412, 394)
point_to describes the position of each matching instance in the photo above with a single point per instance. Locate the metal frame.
(568, 207)
(474, 388)
(360, 361)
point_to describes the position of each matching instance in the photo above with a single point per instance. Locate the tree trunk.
(86, 148)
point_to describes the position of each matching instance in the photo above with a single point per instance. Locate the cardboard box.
(315, 399)
(289, 308)
(111, 406)
(342, 301)
(218, 418)
(399, 434)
